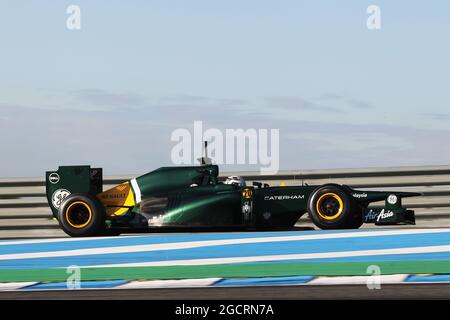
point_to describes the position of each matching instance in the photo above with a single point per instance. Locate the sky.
(111, 93)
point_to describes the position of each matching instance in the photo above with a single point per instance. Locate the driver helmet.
(235, 180)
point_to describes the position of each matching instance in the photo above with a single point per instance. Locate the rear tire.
(331, 207)
(81, 215)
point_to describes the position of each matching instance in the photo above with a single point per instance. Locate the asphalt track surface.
(335, 292)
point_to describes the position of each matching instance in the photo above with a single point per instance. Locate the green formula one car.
(194, 197)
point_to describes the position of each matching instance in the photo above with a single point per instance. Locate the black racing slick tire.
(332, 207)
(81, 215)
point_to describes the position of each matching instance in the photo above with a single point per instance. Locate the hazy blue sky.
(111, 93)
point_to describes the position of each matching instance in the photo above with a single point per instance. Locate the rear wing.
(71, 179)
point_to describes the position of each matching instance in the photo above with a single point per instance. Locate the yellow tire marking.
(79, 226)
(320, 201)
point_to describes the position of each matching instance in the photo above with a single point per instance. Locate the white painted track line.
(208, 243)
(384, 279)
(14, 242)
(301, 256)
(182, 283)
(9, 286)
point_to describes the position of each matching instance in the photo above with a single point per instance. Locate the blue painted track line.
(263, 281)
(63, 262)
(428, 278)
(253, 249)
(75, 244)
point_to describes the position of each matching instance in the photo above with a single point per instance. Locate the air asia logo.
(53, 178)
(292, 197)
(371, 216)
(385, 214)
(59, 196)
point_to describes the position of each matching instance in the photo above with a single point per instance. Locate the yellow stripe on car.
(117, 200)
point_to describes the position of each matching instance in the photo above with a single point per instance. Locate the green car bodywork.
(194, 197)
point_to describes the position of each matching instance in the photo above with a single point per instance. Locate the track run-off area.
(228, 259)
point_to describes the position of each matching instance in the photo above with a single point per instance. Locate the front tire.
(331, 207)
(81, 215)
